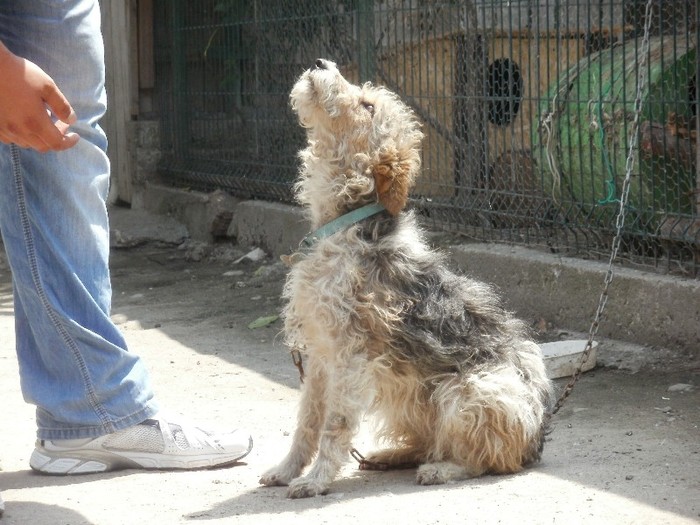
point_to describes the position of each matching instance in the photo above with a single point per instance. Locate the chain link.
(620, 220)
(298, 361)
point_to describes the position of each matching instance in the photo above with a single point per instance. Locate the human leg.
(95, 404)
(74, 363)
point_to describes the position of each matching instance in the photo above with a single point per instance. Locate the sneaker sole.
(94, 461)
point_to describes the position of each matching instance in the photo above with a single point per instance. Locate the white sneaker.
(153, 444)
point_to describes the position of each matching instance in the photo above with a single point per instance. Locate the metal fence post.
(697, 120)
(470, 159)
(180, 116)
(365, 39)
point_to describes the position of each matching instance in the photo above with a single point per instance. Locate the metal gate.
(525, 105)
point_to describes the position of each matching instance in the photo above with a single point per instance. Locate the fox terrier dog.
(457, 385)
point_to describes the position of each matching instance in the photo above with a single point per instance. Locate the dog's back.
(455, 375)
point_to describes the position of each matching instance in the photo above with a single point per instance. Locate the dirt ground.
(624, 449)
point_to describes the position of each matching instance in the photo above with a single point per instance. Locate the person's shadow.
(23, 512)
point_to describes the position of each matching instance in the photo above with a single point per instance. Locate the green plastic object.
(584, 124)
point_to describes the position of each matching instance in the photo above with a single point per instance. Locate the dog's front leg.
(347, 390)
(312, 409)
(333, 452)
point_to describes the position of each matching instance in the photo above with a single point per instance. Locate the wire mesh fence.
(526, 107)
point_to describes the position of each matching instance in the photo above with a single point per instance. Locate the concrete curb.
(643, 308)
(276, 228)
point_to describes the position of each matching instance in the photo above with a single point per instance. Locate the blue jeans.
(73, 361)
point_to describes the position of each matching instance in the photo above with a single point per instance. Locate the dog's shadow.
(359, 485)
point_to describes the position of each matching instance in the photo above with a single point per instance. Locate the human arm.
(26, 92)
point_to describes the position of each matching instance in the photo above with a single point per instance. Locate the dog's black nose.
(321, 64)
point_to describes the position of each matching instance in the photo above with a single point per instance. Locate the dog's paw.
(429, 475)
(440, 473)
(276, 477)
(306, 488)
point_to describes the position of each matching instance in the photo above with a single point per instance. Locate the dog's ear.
(393, 179)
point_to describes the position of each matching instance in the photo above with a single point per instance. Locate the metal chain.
(620, 220)
(298, 362)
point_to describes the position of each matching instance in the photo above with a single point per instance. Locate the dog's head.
(368, 137)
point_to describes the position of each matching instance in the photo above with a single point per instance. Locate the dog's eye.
(369, 107)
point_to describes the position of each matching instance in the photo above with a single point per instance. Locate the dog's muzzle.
(322, 64)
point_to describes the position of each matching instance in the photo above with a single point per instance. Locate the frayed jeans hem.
(84, 432)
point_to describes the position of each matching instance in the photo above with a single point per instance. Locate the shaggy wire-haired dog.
(456, 383)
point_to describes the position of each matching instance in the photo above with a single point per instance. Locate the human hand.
(28, 100)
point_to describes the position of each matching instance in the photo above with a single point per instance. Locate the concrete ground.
(624, 449)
